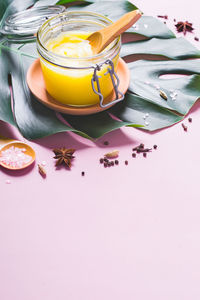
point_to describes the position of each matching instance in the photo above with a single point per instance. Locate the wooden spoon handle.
(114, 30)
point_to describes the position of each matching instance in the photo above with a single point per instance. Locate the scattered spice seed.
(42, 171)
(112, 154)
(190, 120)
(133, 154)
(165, 23)
(82, 173)
(106, 143)
(116, 162)
(163, 17)
(126, 162)
(184, 127)
(184, 27)
(163, 95)
(147, 150)
(101, 160)
(144, 150)
(145, 154)
(174, 20)
(155, 147)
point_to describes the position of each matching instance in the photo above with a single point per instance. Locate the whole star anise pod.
(64, 155)
(184, 27)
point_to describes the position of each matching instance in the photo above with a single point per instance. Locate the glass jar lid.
(25, 24)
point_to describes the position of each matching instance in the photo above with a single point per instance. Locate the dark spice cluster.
(112, 161)
(108, 162)
(141, 149)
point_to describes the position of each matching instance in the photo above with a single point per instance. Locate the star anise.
(184, 27)
(64, 155)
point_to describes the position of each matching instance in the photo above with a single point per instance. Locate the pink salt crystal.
(15, 157)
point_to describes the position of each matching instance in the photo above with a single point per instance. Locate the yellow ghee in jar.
(72, 86)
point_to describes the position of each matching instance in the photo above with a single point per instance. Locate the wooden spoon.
(6, 143)
(100, 39)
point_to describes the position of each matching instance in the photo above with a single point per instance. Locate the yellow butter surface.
(72, 86)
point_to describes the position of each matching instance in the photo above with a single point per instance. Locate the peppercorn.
(145, 154)
(101, 160)
(133, 154)
(83, 173)
(116, 162)
(155, 147)
(126, 162)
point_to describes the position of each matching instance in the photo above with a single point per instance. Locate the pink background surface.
(127, 232)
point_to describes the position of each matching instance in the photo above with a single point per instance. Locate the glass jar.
(69, 79)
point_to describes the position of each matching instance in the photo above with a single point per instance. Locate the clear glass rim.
(103, 55)
(13, 24)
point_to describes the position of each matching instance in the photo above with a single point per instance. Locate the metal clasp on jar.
(113, 76)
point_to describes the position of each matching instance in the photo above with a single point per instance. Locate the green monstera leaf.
(178, 48)
(181, 93)
(140, 110)
(142, 106)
